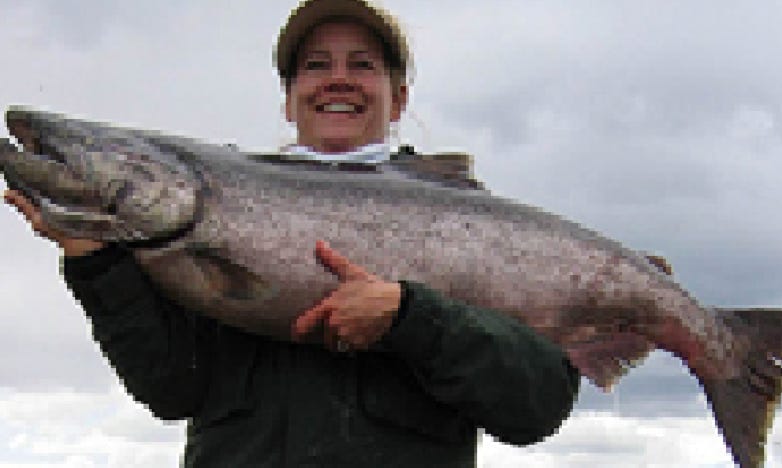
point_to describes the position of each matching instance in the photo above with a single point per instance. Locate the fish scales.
(441, 229)
(231, 237)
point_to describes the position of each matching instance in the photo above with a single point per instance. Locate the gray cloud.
(47, 343)
(85, 24)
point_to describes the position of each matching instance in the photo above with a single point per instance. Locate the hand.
(71, 247)
(358, 312)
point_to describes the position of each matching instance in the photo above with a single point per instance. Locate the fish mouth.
(29, 133)
(20, 127)
(30, 155)
(46, 180)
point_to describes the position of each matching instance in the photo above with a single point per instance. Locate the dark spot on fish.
(660, 263)
(111, 208)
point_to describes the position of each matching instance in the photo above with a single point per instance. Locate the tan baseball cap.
(310, 13)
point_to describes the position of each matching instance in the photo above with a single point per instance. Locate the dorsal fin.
(452, 169)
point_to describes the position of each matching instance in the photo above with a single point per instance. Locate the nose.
(339, 79)
(339, 71)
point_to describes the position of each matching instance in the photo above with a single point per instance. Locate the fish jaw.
(90, 183)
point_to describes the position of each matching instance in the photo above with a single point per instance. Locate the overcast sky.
(656, 122)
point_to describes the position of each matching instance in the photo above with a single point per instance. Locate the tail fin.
(744, 406)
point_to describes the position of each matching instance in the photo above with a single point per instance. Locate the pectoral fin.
(203, 280)
(231, 280)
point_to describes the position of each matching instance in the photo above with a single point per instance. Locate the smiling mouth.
(340, 108)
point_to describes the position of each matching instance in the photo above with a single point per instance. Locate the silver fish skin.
(231, 237)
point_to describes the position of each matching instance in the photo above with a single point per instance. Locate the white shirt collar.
(373, 153)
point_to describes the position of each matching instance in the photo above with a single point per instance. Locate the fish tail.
(744, 405)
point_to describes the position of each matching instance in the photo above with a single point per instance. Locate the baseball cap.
(310, 13)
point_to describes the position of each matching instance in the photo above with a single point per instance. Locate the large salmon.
(230, 235)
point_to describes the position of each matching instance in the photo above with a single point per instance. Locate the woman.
(446, 369)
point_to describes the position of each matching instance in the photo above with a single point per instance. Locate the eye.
(313, 64)
(363, 64)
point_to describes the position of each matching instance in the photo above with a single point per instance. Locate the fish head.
(97, 181)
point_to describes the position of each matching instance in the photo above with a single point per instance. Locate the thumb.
(339, 264)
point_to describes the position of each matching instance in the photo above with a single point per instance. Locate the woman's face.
(342, 96)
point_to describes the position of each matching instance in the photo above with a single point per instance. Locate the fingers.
(328, 315)
(12, 197)
(28, 210)
(340, 326)
(338, 264)
(72, 247)
(345, 313)
(310, 319)
(321, 314)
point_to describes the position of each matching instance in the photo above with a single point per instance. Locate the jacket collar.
(373, 153)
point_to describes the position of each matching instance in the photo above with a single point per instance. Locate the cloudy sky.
(657, 122)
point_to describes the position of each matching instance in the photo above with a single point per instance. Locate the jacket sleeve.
(495, 370)
(159, 351)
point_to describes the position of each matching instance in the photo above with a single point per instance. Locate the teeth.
(339, 107)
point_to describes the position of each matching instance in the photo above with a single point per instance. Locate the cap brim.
(314, 12)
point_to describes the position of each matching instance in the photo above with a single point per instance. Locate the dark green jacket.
(447, 369)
